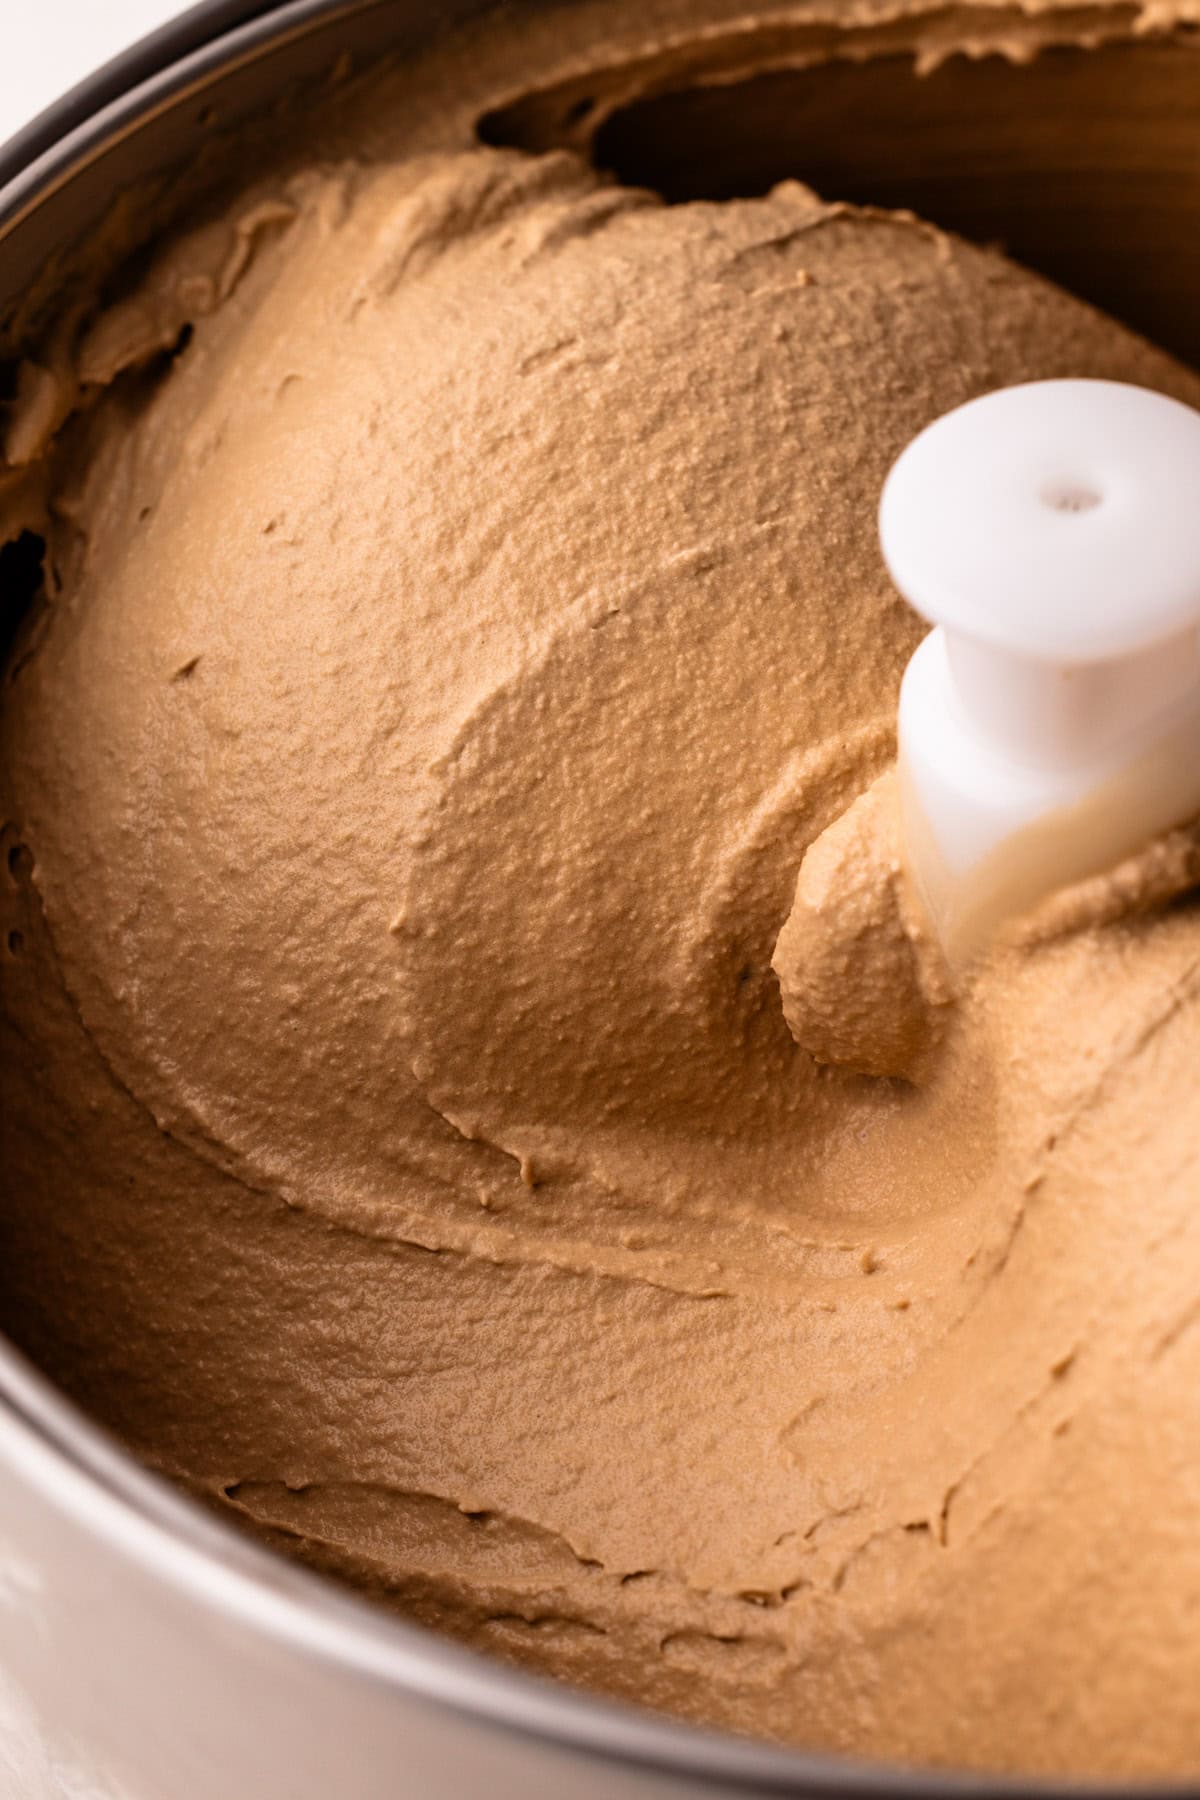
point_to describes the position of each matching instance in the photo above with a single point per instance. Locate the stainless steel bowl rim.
(81, 1470)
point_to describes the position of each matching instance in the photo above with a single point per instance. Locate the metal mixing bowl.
(147, 1652)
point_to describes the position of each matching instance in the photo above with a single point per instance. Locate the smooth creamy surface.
(449, 658)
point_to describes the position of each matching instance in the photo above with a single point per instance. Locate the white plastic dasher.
(1050, 724)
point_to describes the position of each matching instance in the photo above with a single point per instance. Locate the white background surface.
(46, 46)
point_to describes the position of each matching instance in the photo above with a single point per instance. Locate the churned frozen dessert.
(481, 1107)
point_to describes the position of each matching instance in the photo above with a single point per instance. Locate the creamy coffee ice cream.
(482, 1109)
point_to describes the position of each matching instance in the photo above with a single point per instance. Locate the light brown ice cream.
(448, 658)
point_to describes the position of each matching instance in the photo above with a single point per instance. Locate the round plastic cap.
(1058, 520)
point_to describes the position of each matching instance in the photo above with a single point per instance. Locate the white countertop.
(46, 46)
